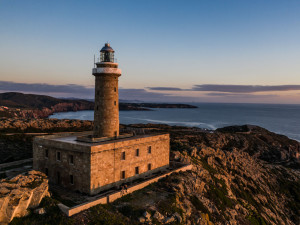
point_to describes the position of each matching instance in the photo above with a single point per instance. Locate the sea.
(282, 119)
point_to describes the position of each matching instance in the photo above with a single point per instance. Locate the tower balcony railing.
(96, 61)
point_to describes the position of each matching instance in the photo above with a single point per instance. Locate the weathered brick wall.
(107, 163)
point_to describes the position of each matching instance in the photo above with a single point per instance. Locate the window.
(123, 175)
(137, 170)
(115, 102)
(71, 159)
(97, 107)
(115, 89)
(123, 156)
(58, 156)
(46, 171)
(71, 179)
(137, 152)
(149, 166)
(149, 150)
(116, 133)
(46, 153)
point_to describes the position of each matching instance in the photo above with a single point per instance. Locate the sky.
(168, 50)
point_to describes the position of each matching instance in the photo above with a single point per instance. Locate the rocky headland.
(19, 105)
(241, 175)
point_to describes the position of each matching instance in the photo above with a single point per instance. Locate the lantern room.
(107, 53)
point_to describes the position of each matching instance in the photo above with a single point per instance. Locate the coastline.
(211, 117)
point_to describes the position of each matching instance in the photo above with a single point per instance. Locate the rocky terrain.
(241, 175)
(19, 105)
(21, 193)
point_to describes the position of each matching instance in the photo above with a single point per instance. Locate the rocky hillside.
(21, 105)
(241, 175)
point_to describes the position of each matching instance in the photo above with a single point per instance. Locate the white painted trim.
(107, 70)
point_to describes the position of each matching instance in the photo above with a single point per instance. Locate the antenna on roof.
(94, 61)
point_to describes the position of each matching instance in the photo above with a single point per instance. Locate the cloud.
(139, 94)
(231, 88)
(238, 95)
(244, 88)
(45, 88)
(165, 89)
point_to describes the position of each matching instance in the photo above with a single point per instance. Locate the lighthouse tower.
(106, 112)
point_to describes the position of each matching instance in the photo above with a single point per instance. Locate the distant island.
(19, 105)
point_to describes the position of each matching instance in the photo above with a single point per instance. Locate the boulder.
(169, 219)
(21, 193)
(141, 219)
(157, 215)
(40, 211)
(178, 217)
(147, 215)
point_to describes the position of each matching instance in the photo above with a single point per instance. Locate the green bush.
(199, 205)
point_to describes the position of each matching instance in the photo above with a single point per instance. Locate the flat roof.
(71, 138)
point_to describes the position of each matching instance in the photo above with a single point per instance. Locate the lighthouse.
(106, 111)
(95, 161)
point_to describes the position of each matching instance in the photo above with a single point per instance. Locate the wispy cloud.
(231, 88)
(138, 94)
(165, 89)
(244, 88)
(239, 95)
(45, 88)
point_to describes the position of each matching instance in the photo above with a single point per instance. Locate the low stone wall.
(116, 195)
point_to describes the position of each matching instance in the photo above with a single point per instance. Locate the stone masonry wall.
(97, 167)
(79, 169)
(107, 163)
(106, 113)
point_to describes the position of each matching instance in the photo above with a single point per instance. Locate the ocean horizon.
(279, 118)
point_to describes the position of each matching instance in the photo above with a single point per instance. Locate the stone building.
(92, 162)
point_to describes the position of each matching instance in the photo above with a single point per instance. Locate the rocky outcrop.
(43, 125)
(21, 193)
(232, 181)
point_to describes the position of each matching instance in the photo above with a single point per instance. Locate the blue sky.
(158, 44)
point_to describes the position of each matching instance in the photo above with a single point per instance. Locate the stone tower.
(106, 112)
